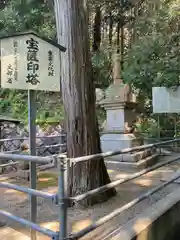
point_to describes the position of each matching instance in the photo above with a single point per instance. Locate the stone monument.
(121, 112)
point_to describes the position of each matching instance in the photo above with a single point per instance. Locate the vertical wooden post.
(32, 147)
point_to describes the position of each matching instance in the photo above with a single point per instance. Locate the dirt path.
(79, 217)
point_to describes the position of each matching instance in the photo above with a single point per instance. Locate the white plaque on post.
(166, 100)
(30, 62)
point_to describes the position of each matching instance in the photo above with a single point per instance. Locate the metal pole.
(37, 193)
(23, 139)
(159, 131)
(18, 157)
(175, 129)
(32, 147)
(113, 184)
(27, 223)
(62, 201)
(159, 134)
(60, 142)
(123, 151)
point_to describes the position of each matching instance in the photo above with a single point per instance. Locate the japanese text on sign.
(15, 45)
(9, 73)
(51, 66)
(33, 62)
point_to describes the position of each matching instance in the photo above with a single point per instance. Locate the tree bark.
(122, 22)
(118, 36)
(122, 47)
(110, 33)
(78, 94)
(97, 29)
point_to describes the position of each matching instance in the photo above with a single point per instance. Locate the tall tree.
(78, 94)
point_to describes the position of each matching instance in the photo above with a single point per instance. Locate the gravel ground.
(79, 217)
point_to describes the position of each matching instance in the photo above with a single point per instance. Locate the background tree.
(153, 59)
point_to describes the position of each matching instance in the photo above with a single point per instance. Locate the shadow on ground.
(80, 217)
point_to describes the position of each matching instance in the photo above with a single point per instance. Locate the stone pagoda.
(121, 112)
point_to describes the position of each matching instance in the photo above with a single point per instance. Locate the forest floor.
(78, 216)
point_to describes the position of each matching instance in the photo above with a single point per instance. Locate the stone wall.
(46, 136)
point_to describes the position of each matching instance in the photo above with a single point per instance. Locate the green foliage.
(101, 114)
(14, 103)
(148, 128)
(154, 58)
(50, 109)
(22, 15)
(101, 69)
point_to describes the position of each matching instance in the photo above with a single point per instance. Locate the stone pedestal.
(119, 115)
(114, 142)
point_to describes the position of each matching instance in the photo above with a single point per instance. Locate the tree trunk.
(122, 47)
(97, 29)
(118, 36)
(78, 94)
(120, 41)
(110, 33)
(122, 34)
(110, 29)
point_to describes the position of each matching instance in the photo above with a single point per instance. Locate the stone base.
(23, 174)
(142, 164)
(119, 141)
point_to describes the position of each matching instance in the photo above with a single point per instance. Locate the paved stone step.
(144, 163)
(148, 161)
(133, 157)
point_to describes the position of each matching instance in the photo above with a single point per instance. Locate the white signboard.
(166, 100)
(29, 62)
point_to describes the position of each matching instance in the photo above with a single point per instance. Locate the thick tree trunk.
(79, 98)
